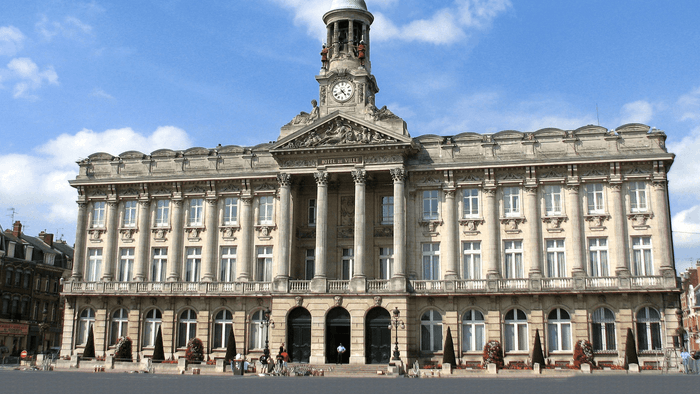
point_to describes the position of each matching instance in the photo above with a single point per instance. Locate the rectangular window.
(556, 261)
(386, 263)
(470, 203)
(94, 269)
(594, 195)
(388, 210)
(228, 264)
(472, 260)
(159, 264)
(552, 199)
(126, 264)
(309, 267)
(264, 265)
(98, 214)
(347, 264)
(162, 213)
(431, 203)
(514, 259)
(231, 211)
(598, 256)
(193, 264)
(431, 261)
(196, 212)
(511, 201)
(266, 205)
(130, 214)
(638, 197)
(641, 249)
(312, 212)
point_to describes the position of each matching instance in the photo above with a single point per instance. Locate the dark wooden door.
(378, 340)
(337, 332)
(299, 326)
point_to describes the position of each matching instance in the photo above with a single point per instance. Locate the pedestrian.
(696, 362)
(685, 356)
(341, 350)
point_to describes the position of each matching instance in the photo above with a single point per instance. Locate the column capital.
(285, 180)
(321, 178)
(211, 201)
(531, 190)
(615, 186)
(450, 193)
(573, 188)
(489, 191)
(398, 174)
(359, 176)
(659, 184)
(82, 205)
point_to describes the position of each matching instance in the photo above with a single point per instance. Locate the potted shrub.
(493, 354)
(195, 351)
(583, 354)
(123, 350)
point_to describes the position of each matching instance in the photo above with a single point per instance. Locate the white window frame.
(126, 265)
(386, 263)
(196, 213)
(642, 256)
(553, 200)
(595, 198)
(431, 205)
(266, 210)
(159, 264)
(470, 203)
(257, 330)
(85, 321)
(648, 327)
(228, 264)
(471, 260)
(513, 259)
(473, 322)
(556, 258)
(119, 325)
(309, 264)
(347, 264)
(388, 210)
(94, 268)
(431, 329)
(98, 214)
(516, 332)
(152, 322)
(231, 211)
(556, 327)
(130, 210)
(264, 264)
(598, 257)
(162, 213)
(311, 212)
(511, 201)
(639, 201)
(186, 327)
(431, 261)
(601, 323)
(193, 264)
(223, 324)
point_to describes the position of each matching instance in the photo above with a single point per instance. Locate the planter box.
(166, 368)
(126, 366)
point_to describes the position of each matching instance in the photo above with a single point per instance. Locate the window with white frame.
(388, 210)
(470, 203)
(257, 330)
(98, 214)
(473, 328)
(309, 266)
(154, 318)
(552, 200)
(119, 325)
(641, 253)
(598, 256)
(386, 263)
(595, 197)
(516, 334)
(223, 325)
(94, 268)
(348, 264)
(228, 264)
(187, 327)
(431, 203)
(85, 321)
(556, 260)
(513, 254)
(471, 267)
(603, 329)
(559, 330)
(311, 212)
(126, 264)
(230, 211)
(130, 213)
(431, 331)
(196, 212)
(649, 329)
(511, 201)
(266, 206)
(162, 213)
(431, 261)
(638, 197)
(193, 264)
(159, 264)
(264, 264)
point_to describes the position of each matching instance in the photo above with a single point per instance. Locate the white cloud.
(97, 92)
(70, 27)
(27, 76)
(690, 105)
(680, 184)
(686, 228)
(11, 40)
(637, 112)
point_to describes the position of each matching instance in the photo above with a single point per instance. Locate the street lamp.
(396, 323)
(43, 327)
(266, 323)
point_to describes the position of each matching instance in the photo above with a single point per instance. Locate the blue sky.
(77, 77)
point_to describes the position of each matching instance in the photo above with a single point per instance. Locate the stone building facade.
(690, 304)
(346, 217)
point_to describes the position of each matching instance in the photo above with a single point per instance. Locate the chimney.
(47, 238)
(17, 228)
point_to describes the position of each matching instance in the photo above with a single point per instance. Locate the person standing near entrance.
(341, 350)
(685, 356)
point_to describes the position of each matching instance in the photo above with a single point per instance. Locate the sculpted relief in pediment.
(339, 132)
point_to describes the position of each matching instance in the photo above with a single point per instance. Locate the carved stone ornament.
(160, 233)
(359, 176)
(127, 233)
(431, 301)
(284, 179)
(512, 224)
(471, 226)
(96, 234)
(299, 163)
(383, 159)
(229, 232)
(377, 301)
(398, 174)
(596, 222)
(383, 232)
(379, 114)
(490, 192)
(338, 300)
(264, 232)
(346, 232)
(193, 233)
(639, 220)
(305, 118)
(298, 301)
(430, 227)
(554, 223)
(306, 233)
(340, 132)
(321, 178)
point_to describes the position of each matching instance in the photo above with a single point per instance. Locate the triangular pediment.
(340, 130)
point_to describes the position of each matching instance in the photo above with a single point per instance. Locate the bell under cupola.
(348, 31)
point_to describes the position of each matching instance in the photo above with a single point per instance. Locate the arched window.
(187, 327)
(257, 331)
(86, 320)
(431, 331)
(559, 331)
(120, 323)
(223, 324)
(473, 331)
(516, 331)
(151, 325)
(649, 329)
(603, 329)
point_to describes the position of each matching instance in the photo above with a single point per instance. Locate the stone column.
(663, 226)
(321, 224)
(532, 244)
(142, 255)
(449, 249)
(80, 241)
(110, 254)
(491, 228)
(351, 37)
(399, 177)
(618, 240)
(244, 249)
(359, 176)
(175, 254)
(211, 231)
(336, 37)
(283, 257)
(578, 260)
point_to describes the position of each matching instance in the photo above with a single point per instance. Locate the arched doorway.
(377, 336)
(299, 335)
(337, 332)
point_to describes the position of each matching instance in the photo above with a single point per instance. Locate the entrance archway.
(299, 335)
(377, 336)
(337, 332)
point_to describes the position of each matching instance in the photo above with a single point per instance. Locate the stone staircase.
(348, 370)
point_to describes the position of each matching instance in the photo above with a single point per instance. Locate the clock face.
(342, 91)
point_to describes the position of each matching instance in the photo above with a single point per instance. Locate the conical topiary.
(537, 355)
(630, 350)
(158, 353)
(230, 348)
(448, 357)
(89, 351)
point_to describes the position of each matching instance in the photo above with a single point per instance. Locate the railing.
(374, 286)
(256, 287)
(335, 286)
(462, 285)
(299, 286)
(557, 283)
(647, 281)
(428, 285)
(513, 284)
(602, 282)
